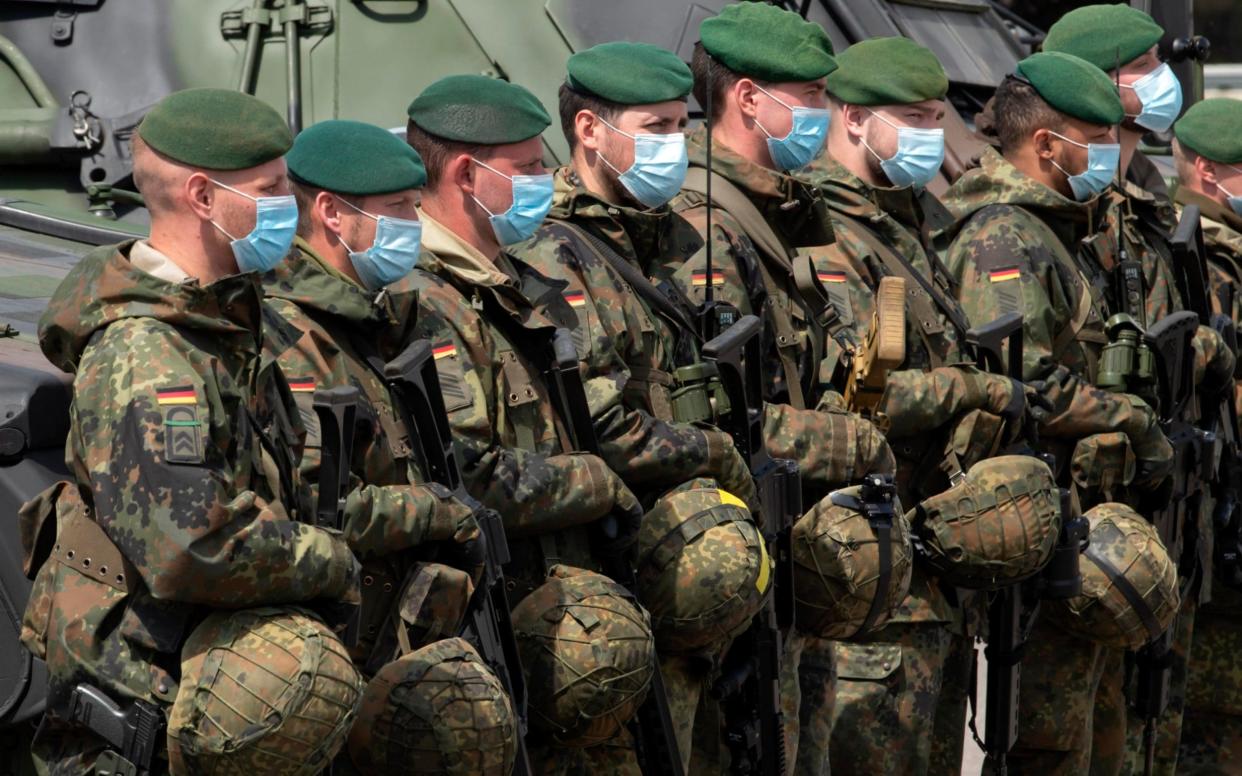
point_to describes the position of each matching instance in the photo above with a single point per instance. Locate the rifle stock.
(415, 388)
(336, 409)
(884, 350)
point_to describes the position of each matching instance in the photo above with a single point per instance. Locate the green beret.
(1073, 86)
(629, 73)
(350, 157)
(1104, 35)
(768, 43)
(887, 71)
(478, 109)
(1211, 129)
(216, 129)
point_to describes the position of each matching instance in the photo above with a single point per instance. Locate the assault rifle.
(1173, 509)
(654, 736)
(749, 686)
(1060, 578)
(415, 388)
(883, 351)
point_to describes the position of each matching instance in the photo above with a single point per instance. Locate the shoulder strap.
(738, 205)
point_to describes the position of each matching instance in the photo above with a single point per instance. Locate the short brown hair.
(707, 69)
(1018, 111)
(570, 102)
(437, 151)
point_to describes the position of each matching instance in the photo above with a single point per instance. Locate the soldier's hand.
(1039, 405)
(1152, 451)
(618, 530)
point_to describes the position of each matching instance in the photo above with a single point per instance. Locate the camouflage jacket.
(500, 316)
(1019, 246)
(340, 324)
(832, 447)
(882, 232)
(182, 442)
(755, 282)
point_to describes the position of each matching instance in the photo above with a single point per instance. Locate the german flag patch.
(576, 299)
(302, 384)
(182, 436)
(700, 279)
(831, 277)
(182, 394)
(444, 350)
(1007, 273)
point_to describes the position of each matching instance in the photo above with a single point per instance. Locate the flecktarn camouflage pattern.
(703, 570)
(995, 525)
(1124, 549)
(268, 690)
(437, 710)
(837, 569)
(588, 656)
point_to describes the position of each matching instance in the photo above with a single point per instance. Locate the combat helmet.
(436, 710)
(267, 690)
(1129, 582)
(587, 655)
(693, 531)
(994, 525)
(852, 561)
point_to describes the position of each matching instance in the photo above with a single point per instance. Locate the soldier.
(885, 144)
(1123, 41)
(357, 189)
(182, 526)
(1209, 170)
(1030, 237)
(610, 232)
(494, 317)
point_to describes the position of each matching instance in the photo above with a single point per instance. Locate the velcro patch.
(452, 376)
(182, 435)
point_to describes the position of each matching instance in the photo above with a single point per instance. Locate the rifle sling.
(735, 202)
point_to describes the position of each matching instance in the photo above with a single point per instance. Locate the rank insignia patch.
(182, 436)
(1008, 273)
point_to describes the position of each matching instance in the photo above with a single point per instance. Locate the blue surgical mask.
(393, 252)
(1160, 94)
(920, 152)
(275, 224)
(659, 167)
(805, 140)
(1102, 162)
(1234, 202)
(532, 199)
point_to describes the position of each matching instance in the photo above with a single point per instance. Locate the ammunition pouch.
(431, 605)
(1102, 466)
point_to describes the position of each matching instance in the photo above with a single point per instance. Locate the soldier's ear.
(1206, 169)
(589, 129)
(854, 117)
(460, 171)
(1041, 143)
(199, 194)
(327, 212)
(745, 93)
